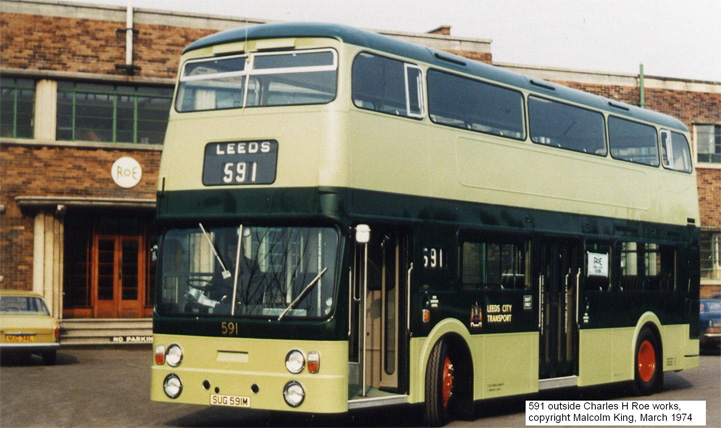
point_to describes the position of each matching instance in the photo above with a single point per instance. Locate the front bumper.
(251, 373)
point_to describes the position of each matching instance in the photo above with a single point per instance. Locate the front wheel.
(440, 384)
(648, 370)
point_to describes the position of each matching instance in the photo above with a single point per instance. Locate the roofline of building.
(205, 21)
(612, 78)
(220, 22)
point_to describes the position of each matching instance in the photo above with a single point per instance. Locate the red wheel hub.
(447, 381)
(646, 361)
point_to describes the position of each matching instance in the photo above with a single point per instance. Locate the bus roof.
(438, 58)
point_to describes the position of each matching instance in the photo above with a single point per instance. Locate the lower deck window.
(494, 265)
(645, 266)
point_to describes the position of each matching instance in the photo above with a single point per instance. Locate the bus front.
(250, 242)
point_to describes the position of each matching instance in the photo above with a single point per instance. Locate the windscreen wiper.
(226, 273)
(303, 293)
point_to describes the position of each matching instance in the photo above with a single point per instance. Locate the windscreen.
(277, 272)
(258, 80)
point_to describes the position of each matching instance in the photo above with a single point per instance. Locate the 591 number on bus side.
(433, 258)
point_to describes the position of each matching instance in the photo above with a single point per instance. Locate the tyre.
(440, 385)
(648, 368)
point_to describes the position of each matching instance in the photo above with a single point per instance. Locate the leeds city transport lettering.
(240, 162)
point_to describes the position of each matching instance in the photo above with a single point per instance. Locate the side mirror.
(362, 234)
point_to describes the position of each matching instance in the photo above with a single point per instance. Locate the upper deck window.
(388, 86)
(477, 106)
(633, 141)
(675, 153)
(258, 80)
(566, 126)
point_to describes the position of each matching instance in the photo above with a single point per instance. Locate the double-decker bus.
(349, 221)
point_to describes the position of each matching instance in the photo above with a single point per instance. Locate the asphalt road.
(109, 387)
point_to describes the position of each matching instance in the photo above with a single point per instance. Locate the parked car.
(716, 296)
(26, 326)
(710, 316)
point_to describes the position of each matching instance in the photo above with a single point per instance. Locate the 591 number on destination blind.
(240, 172)
(240, 163)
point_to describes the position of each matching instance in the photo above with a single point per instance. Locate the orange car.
(26, 326)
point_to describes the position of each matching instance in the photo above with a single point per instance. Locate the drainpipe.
(129, 35)
(128, 67)
(642, 101)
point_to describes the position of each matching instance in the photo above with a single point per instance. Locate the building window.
(112, 113)
(710, 255)
(17, 107)
(708, 143)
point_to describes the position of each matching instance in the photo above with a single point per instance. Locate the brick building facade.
(64, 220)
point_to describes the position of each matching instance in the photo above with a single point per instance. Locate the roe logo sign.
(126, 172)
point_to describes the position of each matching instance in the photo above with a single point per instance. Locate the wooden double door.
(118, 276)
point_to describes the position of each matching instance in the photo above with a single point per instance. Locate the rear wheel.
(440, 385)
(648, 370)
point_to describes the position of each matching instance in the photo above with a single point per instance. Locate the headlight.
(174, 355)
(294, 361)
(172, 386)
(294, 393)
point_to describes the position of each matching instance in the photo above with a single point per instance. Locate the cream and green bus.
(348, 221)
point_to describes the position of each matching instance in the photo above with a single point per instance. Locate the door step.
(557, 382)
(111, 331)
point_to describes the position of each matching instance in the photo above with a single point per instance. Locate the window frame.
(15, 88)
(524, 109)
(667, 164)
(610, 141)
(249, 71)
(114, 94)
(712, 247)
(519, 244)
(605, 137)
(697, 161)
(407, 66)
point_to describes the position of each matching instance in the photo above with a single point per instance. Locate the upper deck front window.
(258, 80)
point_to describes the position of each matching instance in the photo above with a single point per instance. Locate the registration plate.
(20, 338)
(229, 400)
(240, 163)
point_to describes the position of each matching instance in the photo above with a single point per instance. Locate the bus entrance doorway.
(377, 315)
(559, 279)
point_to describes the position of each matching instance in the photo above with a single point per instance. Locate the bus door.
(378, 306)
(558, 283)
